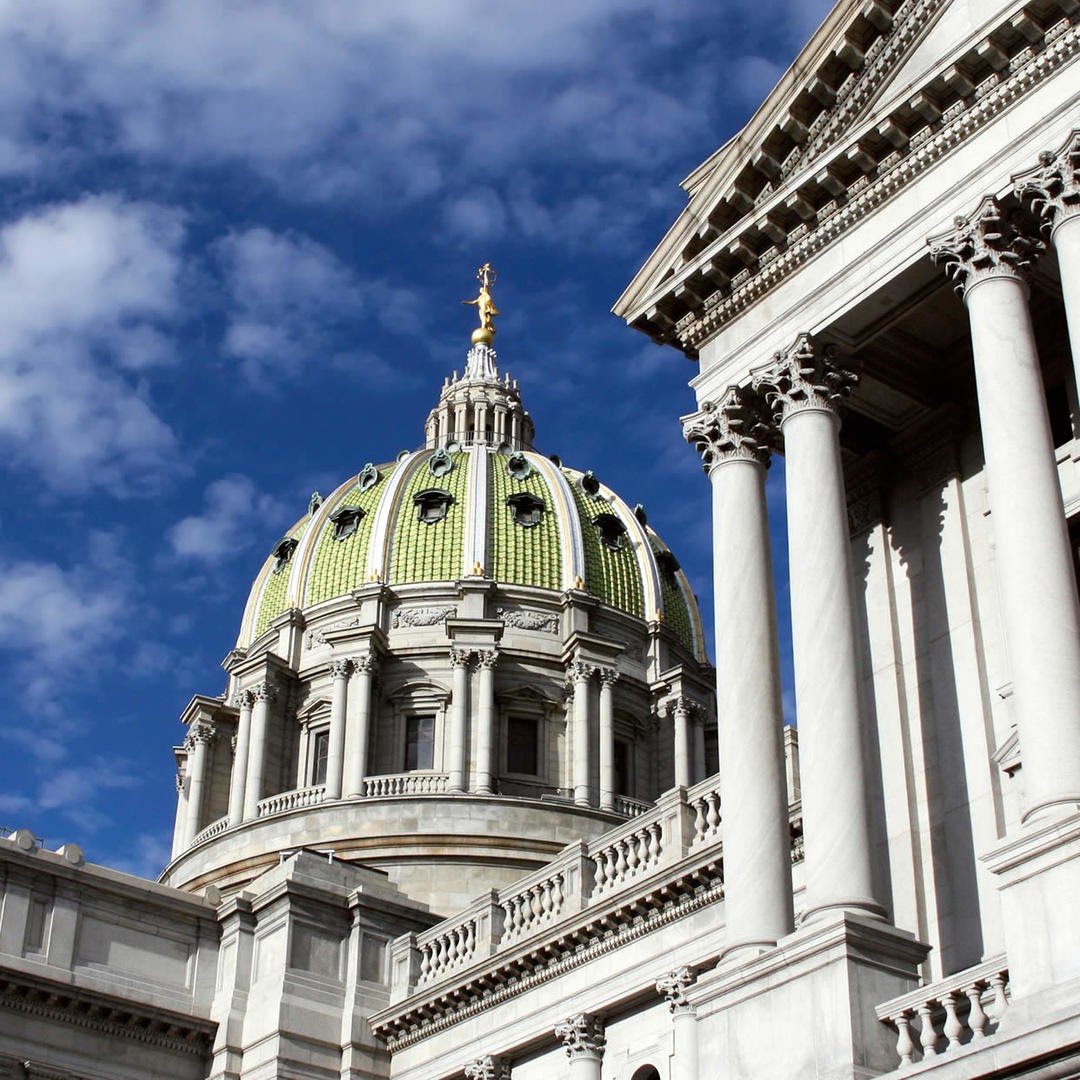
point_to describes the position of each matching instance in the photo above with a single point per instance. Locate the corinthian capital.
(733, 428)
(577, 671)
(265, 692)
(244, 699)
(674, 985)
(582, 1035)
(201, 731)
(1054, 186)
(607, 676)
(989, 243)
(803, 377)
(487, 658)
(341, 667)
(459, 657)
(367, 663)
(488, 1068)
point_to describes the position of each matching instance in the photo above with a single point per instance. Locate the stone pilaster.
(486, 659)
(608, 678)
(358, 722)
(265, 694)
(732, 438)
(459, 706)
(803, 388)
(579, 675)
(245, 702)
(988, 255)
(340, 670)
(201, 734)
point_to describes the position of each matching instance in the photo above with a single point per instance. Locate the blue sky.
(234, 238)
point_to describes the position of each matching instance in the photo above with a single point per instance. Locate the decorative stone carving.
(733, 428)
(245, 699)
(989, 243)
(201, 731)
(582, 1035)
(608, 676)
(179, 782)
(544, 621)
(341, 667)
(578, 671)
(674, 985)
(488, 1068)
(460, 657)
(1053, 187)
(265, 692)
(487, 658)
(318, 637)
(422, 616)
(367, 663)
(803, 377)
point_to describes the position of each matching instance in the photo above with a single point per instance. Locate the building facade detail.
(488, 1068)
(583, 1036)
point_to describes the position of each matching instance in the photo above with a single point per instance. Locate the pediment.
(877, 80)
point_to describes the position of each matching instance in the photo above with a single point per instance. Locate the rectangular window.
(320, 748)
(419, 742)
(623, 785)
(522, 751)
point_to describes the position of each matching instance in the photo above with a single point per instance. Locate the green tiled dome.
(438, 516)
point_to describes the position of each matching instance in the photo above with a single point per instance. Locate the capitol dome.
(451, 666)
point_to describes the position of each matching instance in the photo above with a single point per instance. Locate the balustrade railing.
(211, 830)
(631, 807)
(290, 800)
(410, 783)
(935, 1021)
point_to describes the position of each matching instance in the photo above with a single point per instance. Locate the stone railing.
(936, 1021)
(215, 828)
(410, 783)
(631, 807)
(580, 876)
(290, 800)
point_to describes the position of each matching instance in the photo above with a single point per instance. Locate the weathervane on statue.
(485, 306)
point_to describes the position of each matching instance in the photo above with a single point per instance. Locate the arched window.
(646, 1072)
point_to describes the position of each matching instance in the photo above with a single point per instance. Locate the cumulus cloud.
(231, 507)
(87, 293)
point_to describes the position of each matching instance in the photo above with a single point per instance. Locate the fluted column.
(459, 660)
(358, 723)
(579, 675)
(608, 678)
(988, 256)
(1054, 190)
(245, 701)
(731, 438)
(680, 720)
(488, 1068)
(199, 737)
(265, 695)
(485, 717)
(685, 1053)
(584, 1039)
(804, 389)
(340, 669)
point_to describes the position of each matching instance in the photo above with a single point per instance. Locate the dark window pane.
(521, 748)
(622, 768)
(318, 757)
(419, 742)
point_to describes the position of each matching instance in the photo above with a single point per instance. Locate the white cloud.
(87, 289)
(234, 514)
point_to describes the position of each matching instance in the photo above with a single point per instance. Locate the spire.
(481, 406)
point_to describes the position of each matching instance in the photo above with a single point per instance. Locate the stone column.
(459, 661)
(180, 822)
(804, 390)
(731, 438)
(265, 695)
(335, 748)
(488, 1068)
(697, 723)
(1054, 191)
(685, 1054)
(579, 675)
(245, 700)
(608, 678)
(583, 1037)
(199, 737)
(485, 716)
(358, 726)
(989, 256)
(680, 718)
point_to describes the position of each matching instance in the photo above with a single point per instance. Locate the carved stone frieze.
(1054, 186)
(545, 621)
(582, 1035)
(991, 242)
(803, 377)
(319, 636)
(674, 985)
(422, 616)
(488, 1068)
(734, 428)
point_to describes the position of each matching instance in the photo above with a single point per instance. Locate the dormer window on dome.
(346, 519)
(528, 509)
(282, 553)
(611, 530)
(432, 504)
(668, 564)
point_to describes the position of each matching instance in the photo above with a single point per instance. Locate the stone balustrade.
(290, 800)
(631, 807)
(215, 828)
(936, 1021)
(410, 783)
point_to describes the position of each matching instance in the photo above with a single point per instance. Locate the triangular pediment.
(877, 79)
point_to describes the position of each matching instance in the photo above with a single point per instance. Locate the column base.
(823, 981)
(1054, 810)
(1038, 871)
(861, 906)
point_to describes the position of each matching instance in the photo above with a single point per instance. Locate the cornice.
(106, 1015)
(806, 212)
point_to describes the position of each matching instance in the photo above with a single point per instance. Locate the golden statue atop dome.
(485, 306)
